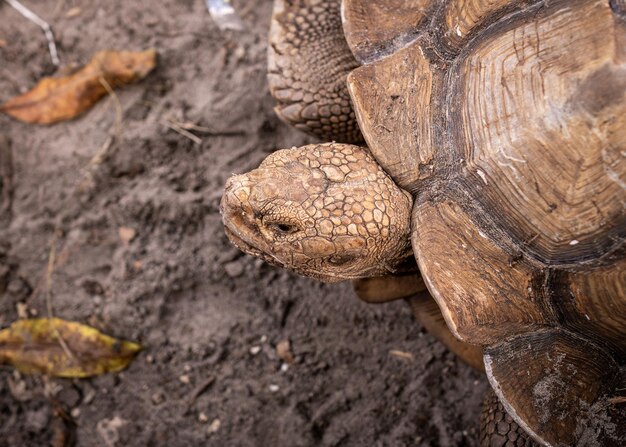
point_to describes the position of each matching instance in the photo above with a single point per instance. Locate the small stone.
(75, 412)
(22, 310)
(89, 396)
(93, 287)
(157, 398)
(283, 351)
(185, 379)
(202, 417)
(274, 388)
(18, 288)
(37, 420)
(214, 427)
(234, 269)
(254, 350)
(69, 396)
(127, 234)
(149, 359)
(73, 12)
(108, 429)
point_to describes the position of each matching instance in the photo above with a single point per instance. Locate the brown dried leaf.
(63, 348)
(64, 98)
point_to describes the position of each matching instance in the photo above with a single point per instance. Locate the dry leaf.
(59, 99)
(63, 348)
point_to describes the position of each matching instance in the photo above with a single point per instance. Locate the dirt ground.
(209, 318)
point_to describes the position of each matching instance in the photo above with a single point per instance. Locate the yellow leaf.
(59, 99)
(63, 348)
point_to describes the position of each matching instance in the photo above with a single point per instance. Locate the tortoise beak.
(240, 219)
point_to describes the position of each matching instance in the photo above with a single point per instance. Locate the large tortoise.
(497, 134)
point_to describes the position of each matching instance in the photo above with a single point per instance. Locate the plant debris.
(63, 348)
(59, 99)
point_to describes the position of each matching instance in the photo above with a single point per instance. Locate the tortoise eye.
(284, 228)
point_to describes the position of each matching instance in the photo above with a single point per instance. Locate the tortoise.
(495, 133)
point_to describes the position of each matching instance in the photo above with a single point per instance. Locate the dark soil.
(209, 317)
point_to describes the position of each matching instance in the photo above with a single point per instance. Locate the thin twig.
(118, 108)
(401, 354)
(183, 132)
(47, 29)
(197, 392)
(206, 130)
(50, 270)
(48, 293)
(100, 155)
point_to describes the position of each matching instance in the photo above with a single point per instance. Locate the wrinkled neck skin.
(325, 211)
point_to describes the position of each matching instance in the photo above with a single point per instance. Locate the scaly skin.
(326, 211)
(308, 63)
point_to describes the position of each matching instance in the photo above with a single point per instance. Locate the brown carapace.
(503, 125)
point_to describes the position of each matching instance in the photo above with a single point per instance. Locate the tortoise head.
(325, 211)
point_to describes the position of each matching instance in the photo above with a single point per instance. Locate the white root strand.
(47, 29)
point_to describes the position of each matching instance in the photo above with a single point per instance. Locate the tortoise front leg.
(382, 289)
(497, 427)
(308, 63)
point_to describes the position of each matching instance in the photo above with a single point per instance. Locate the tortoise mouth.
(242, 244)
(247, 247)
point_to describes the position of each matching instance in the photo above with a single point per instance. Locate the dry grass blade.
(176, 128)
(402, 354)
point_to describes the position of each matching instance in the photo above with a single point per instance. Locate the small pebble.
(185, 379)
(215, 426)
(283, 351)
(157, 398)
(89, 396)
(22, 310)
(108, 429)
(202, 417)
(75, 412)
(274, 388)
(127, 234)
(234, 269)
(254, 350)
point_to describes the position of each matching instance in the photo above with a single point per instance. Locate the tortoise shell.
(507, 122)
